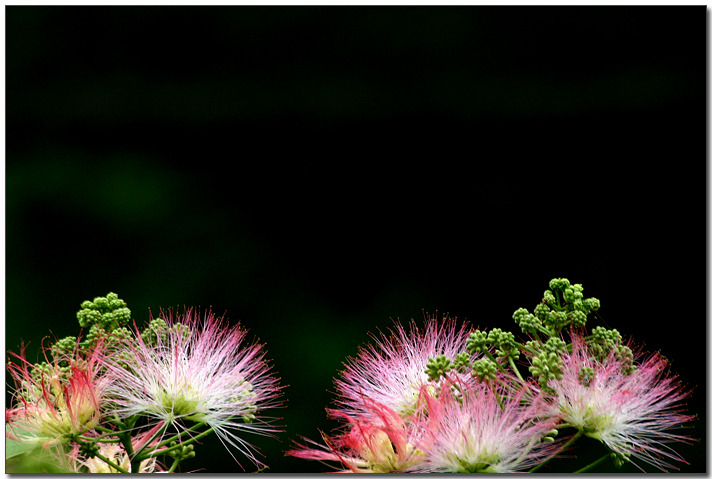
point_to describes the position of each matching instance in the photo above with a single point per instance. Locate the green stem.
(146, 443)
(593, 464)
(176, 461)
(115, 466)
(165, 442)
(156, 453)
(562, 448)
(514, 367)
(492, 358)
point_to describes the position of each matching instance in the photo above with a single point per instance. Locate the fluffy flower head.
(57, 401)
(391, 371)
(380, 441)
(630, 412)
(477, 428)
(195, 370)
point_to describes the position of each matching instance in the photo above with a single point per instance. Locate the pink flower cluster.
(399, 420)
(118, 407)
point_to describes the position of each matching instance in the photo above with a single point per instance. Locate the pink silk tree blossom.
(630, 413)
(200, 371)
(55, 402)
(483, 427)
(379, 441)
(391, 372)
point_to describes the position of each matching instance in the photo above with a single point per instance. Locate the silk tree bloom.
(195, 371)
(56, 401)
(116, 454)
(630, 410)
(483, 428)
(379, 441)
(391, 372)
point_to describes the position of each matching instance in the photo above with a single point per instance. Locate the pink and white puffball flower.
(484, 427)
(57, 401)
(198, 370)
(630, 413)
(391, 371)
(380, 441)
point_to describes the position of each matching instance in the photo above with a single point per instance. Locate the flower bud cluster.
(119, 400)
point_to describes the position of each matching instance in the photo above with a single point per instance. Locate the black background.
(315, 171)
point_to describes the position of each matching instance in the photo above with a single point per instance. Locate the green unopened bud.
(88, 317)
(592, 304)
(555, 345)
(477, 342)
(625, 356)
(550, 436)
(485, 369)
(64, 346)
(586, 375)
(577, 318)
(101, 303)
(558, 320)
(620, 459)
(437, 367)
(546, 366)
(549, 297)
(519, 314)
(559, 284)
(462, 362)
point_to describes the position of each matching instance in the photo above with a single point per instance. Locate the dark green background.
(316, 171)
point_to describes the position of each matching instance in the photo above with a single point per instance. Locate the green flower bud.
(64, 346)
(625, 356)
(462, 362)
(546, 366)
(88, 317)
(558, 320)
(592, 304)
(586, 375)
(438, 367)
(155, 332)
(578, 318)
(520, 314)
(484, 369)
(559, 283)
(620, 459)
(542, 311)
(102, 304)
(555, 345)
(549, 297)
(477, 342)
(530, 324)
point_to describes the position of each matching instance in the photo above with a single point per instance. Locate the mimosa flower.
(199, 371)
(391, 372)
(630, 410)
(115, 453)
(484, 428)
(380, 442)
(54, 402)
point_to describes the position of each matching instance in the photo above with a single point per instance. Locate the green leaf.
(15, 448)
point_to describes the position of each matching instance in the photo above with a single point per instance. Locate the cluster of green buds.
(156, 332)
(563, 307)
(106, 318)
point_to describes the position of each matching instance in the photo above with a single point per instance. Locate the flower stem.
(492, 358)
(155, 453)
(176, 461)
(594, 463)
(562, 448)
(515, 369)
(115, 466)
